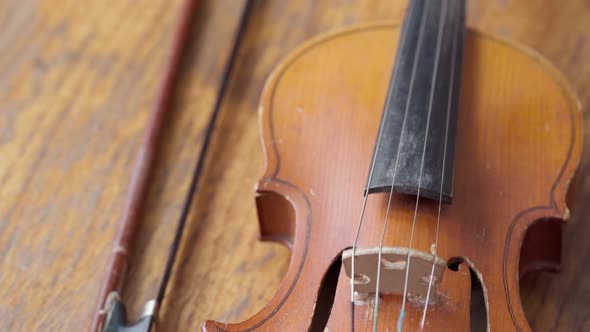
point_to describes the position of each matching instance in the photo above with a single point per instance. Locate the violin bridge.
(393, 271)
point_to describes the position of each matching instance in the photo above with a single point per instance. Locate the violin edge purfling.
(300, 198)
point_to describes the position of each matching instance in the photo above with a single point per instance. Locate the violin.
(416, 171)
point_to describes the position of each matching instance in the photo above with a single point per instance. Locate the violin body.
(518, 146)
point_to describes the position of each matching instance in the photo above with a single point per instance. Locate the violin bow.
(110, 314)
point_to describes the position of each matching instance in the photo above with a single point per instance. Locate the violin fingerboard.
(416, 141)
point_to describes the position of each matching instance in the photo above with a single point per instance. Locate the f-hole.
(478, 311)
(325, 300)
(477, 307)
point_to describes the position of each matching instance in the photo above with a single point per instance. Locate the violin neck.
(416, 141)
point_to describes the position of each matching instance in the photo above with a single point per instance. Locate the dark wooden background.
(76, 82)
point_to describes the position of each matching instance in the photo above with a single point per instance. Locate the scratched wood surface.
(76, 83)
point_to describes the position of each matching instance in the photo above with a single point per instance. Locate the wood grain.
(76, 84)
(79, 81)
(518, 144)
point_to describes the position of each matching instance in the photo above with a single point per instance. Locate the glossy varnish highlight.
(518, 144)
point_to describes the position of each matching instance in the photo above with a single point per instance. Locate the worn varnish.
(76, 86)
(518, 145)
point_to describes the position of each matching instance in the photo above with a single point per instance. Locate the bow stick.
(110, 315)
(127, 226)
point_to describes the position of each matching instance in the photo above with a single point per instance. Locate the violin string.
(406, 111)
(366, 193)
(358, 230)
(449, 103)
(442, 18)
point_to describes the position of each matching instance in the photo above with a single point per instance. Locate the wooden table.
(76, 83)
